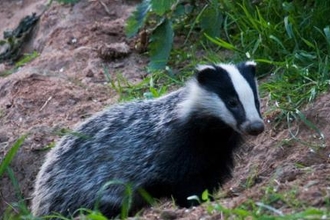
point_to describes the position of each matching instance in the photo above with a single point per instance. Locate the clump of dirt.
(66, 83)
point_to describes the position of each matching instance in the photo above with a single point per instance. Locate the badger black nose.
(255, 128)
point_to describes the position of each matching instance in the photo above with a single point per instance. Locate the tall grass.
(18, 209)
(291, 41)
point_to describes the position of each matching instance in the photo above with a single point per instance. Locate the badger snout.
(254, 128)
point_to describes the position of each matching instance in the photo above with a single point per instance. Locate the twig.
(50, 98)
(105, 8)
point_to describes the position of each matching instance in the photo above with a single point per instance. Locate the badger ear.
(204, 72)
(251, 66)
(250, 63)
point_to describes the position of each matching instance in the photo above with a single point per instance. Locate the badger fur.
(175, 146)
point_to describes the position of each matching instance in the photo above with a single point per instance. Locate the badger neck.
(200, 122)
(211, 130)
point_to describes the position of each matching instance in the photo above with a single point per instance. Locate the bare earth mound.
(66, 84)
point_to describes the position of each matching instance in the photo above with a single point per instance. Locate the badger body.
(175, 146)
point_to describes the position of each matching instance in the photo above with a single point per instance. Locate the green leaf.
(10, 155)
(161, 45)
(161, 6)
(137, 19)
(211, 20)
(180, 10)
(205, 195)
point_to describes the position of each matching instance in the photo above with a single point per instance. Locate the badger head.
(228, 92)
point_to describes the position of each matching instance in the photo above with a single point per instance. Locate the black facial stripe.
(248, 72)
(219, 82)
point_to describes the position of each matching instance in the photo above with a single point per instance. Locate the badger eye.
(233, 103)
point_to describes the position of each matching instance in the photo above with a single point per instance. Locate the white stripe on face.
(244, 92)
(203, 67)
(206, 103)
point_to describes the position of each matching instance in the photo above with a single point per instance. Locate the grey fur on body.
(156, 145)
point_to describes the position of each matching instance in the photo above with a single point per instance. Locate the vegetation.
(26, 58)
(160, 18)
(289, 39)
(4, 167)
(265, 209)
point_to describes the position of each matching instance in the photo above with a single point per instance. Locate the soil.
(67, 83)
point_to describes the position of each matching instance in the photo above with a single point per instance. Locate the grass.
(26, 58)
(291, 43)
(270, 207)
(289, 40)
(261, 211)
(152, 86)
(18, 209)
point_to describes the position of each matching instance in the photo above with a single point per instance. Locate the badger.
(175, 146)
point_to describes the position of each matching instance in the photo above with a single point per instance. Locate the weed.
(10, 155)
(205, 197)
(24, 60)
(2, 113)
(20, 207)
(262, 211)
(289, 41)
(252, 178)
(152, 86)
(161, 19)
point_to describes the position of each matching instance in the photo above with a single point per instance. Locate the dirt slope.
(66, 84)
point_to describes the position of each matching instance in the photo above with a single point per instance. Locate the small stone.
(2, 67)
(89, 73)
(168, 215)
(113, 51)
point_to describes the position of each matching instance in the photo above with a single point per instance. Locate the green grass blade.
(222, 43)
(262, 205)
(308, 43)
(288, 27)
(310, 124)
(21, 203)
(278, 41)
(96, 216)
(326, 31)
(26, 59)
(10, 155)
